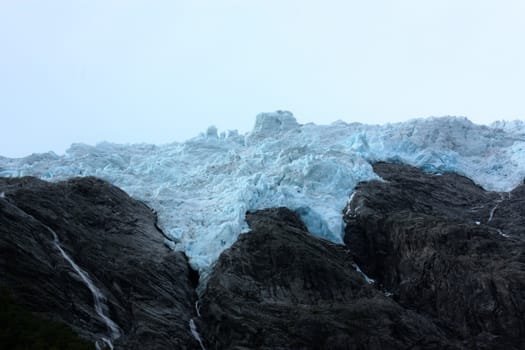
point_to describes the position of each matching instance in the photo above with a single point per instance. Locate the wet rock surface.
(147, 289)
(279, 287)
(445, 248)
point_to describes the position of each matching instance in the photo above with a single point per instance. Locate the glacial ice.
(203, 187)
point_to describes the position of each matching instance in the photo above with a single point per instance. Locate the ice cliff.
(203, 187)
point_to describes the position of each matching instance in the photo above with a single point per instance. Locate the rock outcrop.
(279, 287)
(145, 290)
(445, 248)
(447, 257)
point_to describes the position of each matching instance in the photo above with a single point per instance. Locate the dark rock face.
(448, 258)
(148, 288)
(445, 248)
(278, 287)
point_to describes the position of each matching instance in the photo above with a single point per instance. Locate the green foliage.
(21, 330)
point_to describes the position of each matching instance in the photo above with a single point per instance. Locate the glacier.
(202, 188)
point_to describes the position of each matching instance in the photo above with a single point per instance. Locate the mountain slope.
(444, 246)
(278, 287)
(84, 253)
(448, 259)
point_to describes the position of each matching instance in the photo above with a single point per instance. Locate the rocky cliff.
(84, 253)
(278, 287)
(447, 261)
(445, 248)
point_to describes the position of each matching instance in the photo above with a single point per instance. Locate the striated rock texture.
(147, 289)
(279, 287)
(445, 248)
(448, 259)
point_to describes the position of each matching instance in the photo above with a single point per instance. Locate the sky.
(150, 71)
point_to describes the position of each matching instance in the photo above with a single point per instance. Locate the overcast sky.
(162, 71)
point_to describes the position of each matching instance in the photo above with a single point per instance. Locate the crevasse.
(203, 187)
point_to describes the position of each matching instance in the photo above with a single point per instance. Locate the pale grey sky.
(162, 71)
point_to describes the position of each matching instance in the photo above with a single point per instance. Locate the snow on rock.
(203, 187)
